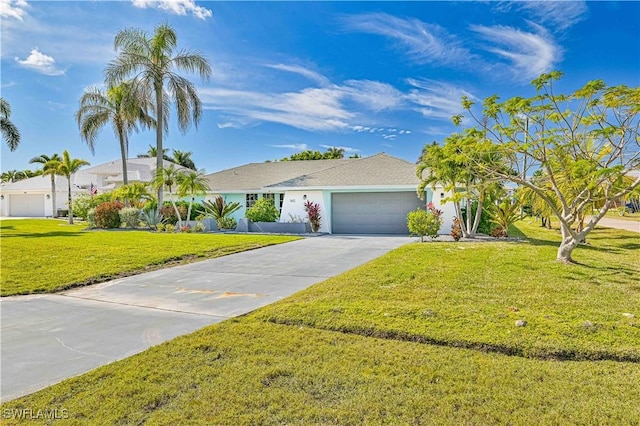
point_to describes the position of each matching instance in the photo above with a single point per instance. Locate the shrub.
(456, 229)
(84, 202)
(499, 232)
(169, 227)
(264, 210)
(91, 218)
(425, 222)
(130, 216)
(108, 214)
(160, 227)
(169, 213)
(199, 227)
(227, 223)
(186, 228)
(503, 215)
(218, 208)
(313, 213)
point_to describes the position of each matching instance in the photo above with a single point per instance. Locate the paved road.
(48, 338)
(628, 225)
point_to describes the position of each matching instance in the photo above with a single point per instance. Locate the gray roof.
(256, 176)
(378, 170)
(37, 183)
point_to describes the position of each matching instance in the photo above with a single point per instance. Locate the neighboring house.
(32, 197)
(370, 195)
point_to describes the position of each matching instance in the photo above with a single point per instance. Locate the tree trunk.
(463, 227)
(159, 129)
(123, 153)
(54, 212)
(70, 208)
(566, 246)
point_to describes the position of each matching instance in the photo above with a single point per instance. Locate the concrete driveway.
(48, 338)
(628, 225)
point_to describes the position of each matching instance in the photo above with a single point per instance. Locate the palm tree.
(153, 153)
(67, 167)
(119, 105)
(152, 63)
(183, 159)
(12, 176)
(334, 153)
(50, 167)
(10, 132)
(168, 178)
(192, 183)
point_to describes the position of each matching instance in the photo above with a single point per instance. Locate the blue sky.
(288, 76)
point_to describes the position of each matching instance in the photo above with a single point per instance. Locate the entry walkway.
(48, 338)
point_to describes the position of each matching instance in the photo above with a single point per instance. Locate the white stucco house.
(32, 197)
(370, 195)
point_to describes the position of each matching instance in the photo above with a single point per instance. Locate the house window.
(251, 200)
(281, 203)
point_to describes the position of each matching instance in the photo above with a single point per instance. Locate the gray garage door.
(372, 213)
(27, 205)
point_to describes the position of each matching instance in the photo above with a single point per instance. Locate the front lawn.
(423, 335)
(51, 255)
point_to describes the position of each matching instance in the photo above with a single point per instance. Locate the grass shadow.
(44, 234)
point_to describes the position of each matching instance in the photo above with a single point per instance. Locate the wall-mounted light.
(442, 195)
(304, 197)
(48, 196)
(1, 197)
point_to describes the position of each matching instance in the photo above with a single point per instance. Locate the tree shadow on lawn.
(44, 234)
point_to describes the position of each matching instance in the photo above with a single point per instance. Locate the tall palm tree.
(12, 176)
(151, 61)
(183, 158)
(67, 167)
(50, 167)
(190, 184)
(153, 153)
(10, 132)
(120, 105)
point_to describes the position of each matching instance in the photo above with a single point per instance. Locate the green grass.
(634, 217)
(51, 255)
(359, 348)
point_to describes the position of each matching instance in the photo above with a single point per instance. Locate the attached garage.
(26, 205)
(372, 212)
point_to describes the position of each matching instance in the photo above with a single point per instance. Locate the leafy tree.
(10, 132)
(13, 176)
(586, 142)
(66, 168)
(153, 64)
(168, 178)
(50, 167)
(132, 195)
(264, 210)
(121, 105)
(454, 167)
(190, 184)
(183, 159)
(331, 154)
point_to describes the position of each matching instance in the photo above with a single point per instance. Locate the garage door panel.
(372, 213)
(27, 205)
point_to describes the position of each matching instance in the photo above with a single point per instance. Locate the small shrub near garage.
(264, 210)
(425, 222)
(108, 214)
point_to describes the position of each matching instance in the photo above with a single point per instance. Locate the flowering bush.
(185, 228)
(313, 213)
(425, 222)
(108, 214)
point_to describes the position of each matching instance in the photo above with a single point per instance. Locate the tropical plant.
(183, 159)
(152, 63)
(108, 214)
(152, 152)
(313, 213)
(49, 167)
(83, 203)
(167, 179)
(504, 214)
(13, 176)
(190, 184)
(173, 214)
(10, 132)
(456, 230)
(66, 168)
(121, 105)
(130, 216)
(586, 142)
(227, 223)
(152, 218)
(134, 194)
(332, 153)
(169, 228)
(219, 209)
(423, 222)
(264, 210)
(199, 227)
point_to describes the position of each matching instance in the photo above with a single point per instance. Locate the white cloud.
(434, 99)
(228, 125)
(41, 63)
(529, 54)
(305, 72)
(294, 146)
(374, 95)
(177, 7)
(556, 15)
(424, 43)
(13, 9)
